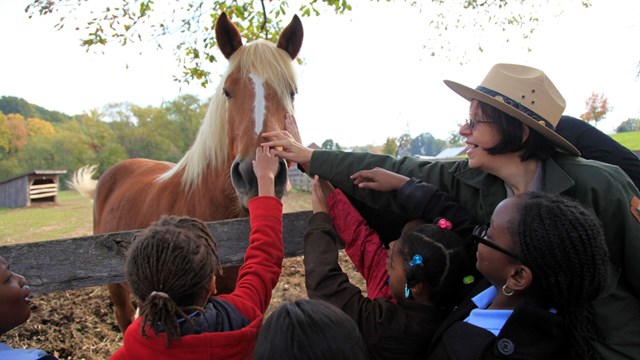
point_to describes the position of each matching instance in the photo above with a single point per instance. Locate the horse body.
(147, 199)
(214, 180)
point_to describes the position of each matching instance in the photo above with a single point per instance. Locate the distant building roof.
(313, 146)
(451, 152)
(35, 172)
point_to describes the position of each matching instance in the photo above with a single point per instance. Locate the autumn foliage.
(597, 108)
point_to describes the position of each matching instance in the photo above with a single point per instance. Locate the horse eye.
(226, 93)
(293, 94)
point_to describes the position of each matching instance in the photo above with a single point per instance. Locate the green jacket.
(602, 187)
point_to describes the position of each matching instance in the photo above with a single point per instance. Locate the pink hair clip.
(445, 224)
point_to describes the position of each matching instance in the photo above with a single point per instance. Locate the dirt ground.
(79, 324)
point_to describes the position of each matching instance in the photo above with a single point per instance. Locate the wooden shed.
(36, 186)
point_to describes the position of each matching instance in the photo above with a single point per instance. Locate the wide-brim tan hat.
(525, 93)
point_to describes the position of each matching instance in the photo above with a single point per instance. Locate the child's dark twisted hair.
(445, 262)
(169, 266)
(564, 246)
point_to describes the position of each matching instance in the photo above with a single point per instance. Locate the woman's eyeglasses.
(480, 236)
(472, 123)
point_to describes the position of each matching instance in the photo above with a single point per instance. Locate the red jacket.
(256, 279)
(361, 243)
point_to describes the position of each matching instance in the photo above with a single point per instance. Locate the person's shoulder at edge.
(585, 167)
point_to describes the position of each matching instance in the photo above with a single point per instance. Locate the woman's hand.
(288, 145)
(291, 126)
(320, 191)
(265, 166)
(379, 179)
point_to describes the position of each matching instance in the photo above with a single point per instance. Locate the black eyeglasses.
(480, 236)
(472, 123)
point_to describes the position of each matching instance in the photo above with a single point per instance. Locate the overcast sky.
(367, 75)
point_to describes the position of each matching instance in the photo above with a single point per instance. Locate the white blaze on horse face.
(259, 104)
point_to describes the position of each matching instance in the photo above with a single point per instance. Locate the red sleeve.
(361, 243)
(119, 354)
(263, 260)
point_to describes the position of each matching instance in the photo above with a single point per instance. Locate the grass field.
(72, 217)
(630, 140)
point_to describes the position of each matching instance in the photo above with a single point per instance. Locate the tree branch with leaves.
(187, 25)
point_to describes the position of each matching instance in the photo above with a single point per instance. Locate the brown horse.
(215, 179)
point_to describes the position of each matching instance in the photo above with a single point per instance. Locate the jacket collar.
(555, 180)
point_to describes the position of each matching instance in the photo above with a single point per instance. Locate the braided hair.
(445, 262)
(564, 246)
(169, 266)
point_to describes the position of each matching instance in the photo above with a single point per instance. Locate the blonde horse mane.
(261, 58)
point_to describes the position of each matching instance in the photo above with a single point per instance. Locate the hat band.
(516, 105)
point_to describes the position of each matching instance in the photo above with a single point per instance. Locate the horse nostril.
(281, 179)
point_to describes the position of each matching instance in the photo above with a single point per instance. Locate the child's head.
(171, 269)
(563, 258)
(14, 298)
(429, 262)
(309, 329)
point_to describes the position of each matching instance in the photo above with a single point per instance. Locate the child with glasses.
(544, 259)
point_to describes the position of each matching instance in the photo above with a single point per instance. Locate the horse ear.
(227, 36)
(291, 37)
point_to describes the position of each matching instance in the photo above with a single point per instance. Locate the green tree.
(187, 113)
(597, 108)
(404, 145)
(330, 145)
(629, 125)
(14, 105)
(5, 135)
(426, 144)
(455, 139)
(89, 140)
(156, 134)
(390, 147)
(191, 22)
(37, 126)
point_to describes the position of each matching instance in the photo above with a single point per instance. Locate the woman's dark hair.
(511, 131)
(446, 261)
(564, 246)
(169, 266)
(312, 330)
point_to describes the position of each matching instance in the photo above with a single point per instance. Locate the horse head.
(258, 92)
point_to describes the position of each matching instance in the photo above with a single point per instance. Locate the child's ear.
(418, 289)
(520, 278)
(212, 287)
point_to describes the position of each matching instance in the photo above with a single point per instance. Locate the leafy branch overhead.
(187, 26)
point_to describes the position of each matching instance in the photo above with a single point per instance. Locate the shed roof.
(36, 172)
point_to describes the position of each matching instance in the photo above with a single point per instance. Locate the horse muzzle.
(244, 180)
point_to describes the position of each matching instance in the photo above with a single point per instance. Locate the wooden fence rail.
(67, 264)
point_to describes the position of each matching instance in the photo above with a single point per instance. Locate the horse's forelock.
(270, 63)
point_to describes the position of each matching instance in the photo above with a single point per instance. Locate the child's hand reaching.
(379, 179)
(265, 166)
(319, 193)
